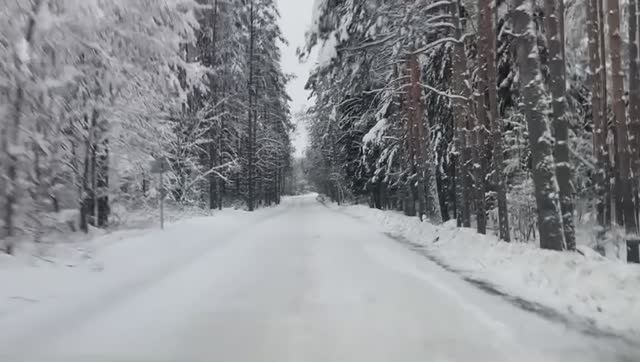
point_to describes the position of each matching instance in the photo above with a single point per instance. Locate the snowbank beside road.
(41, 278)
(584, 288)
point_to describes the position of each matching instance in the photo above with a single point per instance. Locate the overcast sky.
(294, 22)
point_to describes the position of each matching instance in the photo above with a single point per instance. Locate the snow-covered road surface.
(296, 283)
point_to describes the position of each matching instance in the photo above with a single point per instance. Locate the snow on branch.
(443, 93)
(437, 43)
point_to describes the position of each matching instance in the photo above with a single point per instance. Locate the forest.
(519, 118)
(319, 180)
(92, 92)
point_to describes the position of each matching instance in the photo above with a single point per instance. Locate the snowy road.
(297, 283)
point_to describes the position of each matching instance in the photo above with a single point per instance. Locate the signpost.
(159, 166)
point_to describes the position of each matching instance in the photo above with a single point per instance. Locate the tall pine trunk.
(480, 162)
(461, 109)
(212, 149)
(534, 109)
(488, 47)
(482, 125)
(420, 140)
(220, 161)
(564, 171)
(625, 188)
(605, 106)
(412, 108)
(634, 100)
(13, 134)
(251, 116)
(598, 110)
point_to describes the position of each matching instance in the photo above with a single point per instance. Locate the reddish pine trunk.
(461, 109)
(625, 189)
(488, 48)
(600, 127)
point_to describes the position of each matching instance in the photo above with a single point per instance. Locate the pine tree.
(461, 109)
(599, 115)
(488, 49)
(624, 193)
(634, 102)
(532, 93)
(554, 21)
(98, 89)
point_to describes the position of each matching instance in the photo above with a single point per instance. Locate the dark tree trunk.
(443, 193)
(605, 107)
(600, 127)
(564, 170)
(625, 188)
(480, 165)
(546, 191)
(14, 138)
(461, 112)
(102, 183)
(252, 114)
(414, 116)
(481, 150)
(488, 48)
(634, 102)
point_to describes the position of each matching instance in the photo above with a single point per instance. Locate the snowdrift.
(581, 288)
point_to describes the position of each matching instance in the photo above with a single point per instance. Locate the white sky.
(295, 21)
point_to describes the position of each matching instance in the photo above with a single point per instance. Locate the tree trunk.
(564, 171)
(213, 197)
(605, 107)
(214, 161)
(442, 192)
(251, 89)
(237, 175)
(467, 176)
(414, 113)
(546, 190)
(220, 161)
(634, 100)
(598, 110)
(461, 110)
(481, 151)
(103, 185)
(39, 189)
(94, 170)
(14, 138)
(12, 172)
(625, 188)
(480, 161)
(488, 47)
(85, 194)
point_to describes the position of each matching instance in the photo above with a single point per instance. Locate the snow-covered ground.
(300, 282)
(583, 289)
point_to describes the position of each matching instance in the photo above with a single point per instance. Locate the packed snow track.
(295, 283)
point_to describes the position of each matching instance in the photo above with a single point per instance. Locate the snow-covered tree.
(93, 90)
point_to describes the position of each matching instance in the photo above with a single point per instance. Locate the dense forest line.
(92, 92)
(515, 117)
